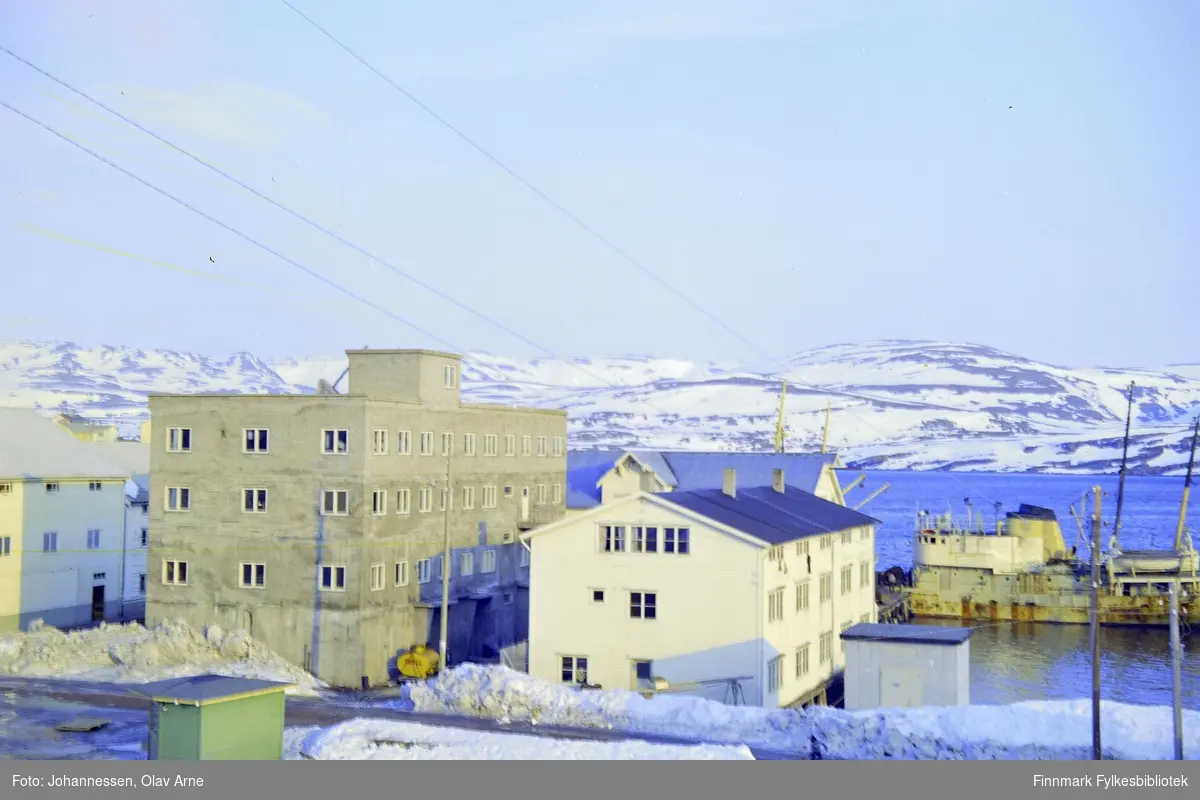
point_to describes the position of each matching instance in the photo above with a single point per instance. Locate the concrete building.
(905, 666)
(316, 522)
(62, 522)
(603, 476)
(137, 543)
(706, 585)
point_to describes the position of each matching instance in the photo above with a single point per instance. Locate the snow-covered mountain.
(891, 404)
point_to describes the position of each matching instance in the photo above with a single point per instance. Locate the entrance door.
(899, 687)
(98, 603)
(524, 503)
(640, 673)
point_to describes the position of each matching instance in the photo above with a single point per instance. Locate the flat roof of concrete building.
(909, 634)
(402, 352)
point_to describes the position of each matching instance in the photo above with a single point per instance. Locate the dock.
(893, 606)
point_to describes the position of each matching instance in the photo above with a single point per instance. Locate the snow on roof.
(132, 457)
(32, 446)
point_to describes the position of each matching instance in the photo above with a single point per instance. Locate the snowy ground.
(134, 654)
(386, 740)
(1036, 730)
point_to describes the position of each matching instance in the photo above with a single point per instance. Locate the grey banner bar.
(333, 780)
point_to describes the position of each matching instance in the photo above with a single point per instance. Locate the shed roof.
(771, 516)
(200, 690)
(911, 634)
(33, 446)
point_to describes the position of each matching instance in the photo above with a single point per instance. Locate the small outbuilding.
(903, 666)
(215, 718)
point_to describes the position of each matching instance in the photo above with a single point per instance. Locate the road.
(31, 707)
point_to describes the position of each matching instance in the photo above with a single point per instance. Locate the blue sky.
(1017, 173)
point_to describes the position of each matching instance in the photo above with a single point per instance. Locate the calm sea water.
(1025, 661)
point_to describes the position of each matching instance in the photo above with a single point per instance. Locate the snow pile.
(134, 654)
(1029, 731)
(386, 740)
(504, 694)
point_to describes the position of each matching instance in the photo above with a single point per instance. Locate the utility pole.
(1176, 682)
(1097, 753)
(447, 565)
(1124, 467)
(1187, 488)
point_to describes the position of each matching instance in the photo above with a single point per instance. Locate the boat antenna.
(779, 422)
(1187, 489)
(1124, 465)
(825, 432)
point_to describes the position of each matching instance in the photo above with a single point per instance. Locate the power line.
(513, 174)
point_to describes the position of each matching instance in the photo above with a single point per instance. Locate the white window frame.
(510, 445)
(803, 597)
(677, 541)
(5, 488)
(5, 546)
(447, 444)
(404, 443)
(775, 605)
(426, 443)
(489, 496)
(557, 494)
(424, 571)
(378, 577)
(541, 446)
(335, 441)
(261, 436)
(95, 486)
(468, 444)
(466, 564)
(175, 443)
(378, 502)
(336, 573)
(613, 538)
(145, 537)
(336, 494)
(847, 537)
(403, 502)
(447, 501)
(825, 648)
(578, 669)
(597, 596)
(775, 674)
(845, 627)
(541, 493)
(251, 495)
(255, 568)
(468, 501)
(93, 539)
(183, 497)
(490, 444)
(142, 583)
(641, 602)
(379, 441)
(802, 660)
(171, 565)
(846, 579)
(526, 445)
(450, 376)
(425, 500)
(825, 587)
(802, 547)
(50, 542)
(400, 573)
(556, 447)
(487, 561)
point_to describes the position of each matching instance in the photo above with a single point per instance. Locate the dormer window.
(450, 373)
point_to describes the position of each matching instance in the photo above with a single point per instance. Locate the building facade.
(62, 522)
(137, 544)
(317, 522)
(700, 589)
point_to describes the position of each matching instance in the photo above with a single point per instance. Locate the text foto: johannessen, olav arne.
(121, 782)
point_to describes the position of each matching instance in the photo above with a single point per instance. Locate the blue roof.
(915, 634)
(201, 689)
(771, 516)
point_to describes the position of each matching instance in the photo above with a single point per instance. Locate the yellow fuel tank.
(419, 662)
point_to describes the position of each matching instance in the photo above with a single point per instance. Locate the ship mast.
(1124, 464)
(779, 422)
(825, 433)
(1187, 490)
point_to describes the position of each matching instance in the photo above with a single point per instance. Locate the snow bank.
(134, 654)
(1030, 731)
(380, 740)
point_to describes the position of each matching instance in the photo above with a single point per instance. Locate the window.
(178, 498)
(542, 494)
(826, 647)
(254, 501)
(864, 533)
(142, 583)
(507, 598)
(447, 498)
(466, 564)
(676, 540)
(424, 570)
(845, 627)
(447, 444)
(450, 376)
(379, 442)
(377, 577)
(51, 487)
(864, 575)
(174, 572)
(802, 548)
(847, 578)
(468, 497)
(401, 576)
(775, 553)
(826, 587)
(335, 442)
(5, 488)
(523, 559)
(254, 576)
(775, 605)
(775, 674)
(847, 537)
(557, 494)
(574, 669)
(179, 440)
(489, 496)
(526, 445)
(612, 538)
(802, 596)
(255, 440)
(335, 502)
(403, 443)
(557, 447)
(403, 501)
(802, 661)
(645, 540)
(94, 486)
(487, 561)
(643, 605)
(379, 502)
(597, 595)
(49, 542)
(145, 537)
(826, 542)
(865, 618)
(426, 443)
(5, 546)
(468, 444)
(541, 441)
(510, 445)
(333, 578)
(425, 499)
(489, 444)
(93, 539)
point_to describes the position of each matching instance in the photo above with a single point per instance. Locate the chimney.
(777, 480)
(729, 483)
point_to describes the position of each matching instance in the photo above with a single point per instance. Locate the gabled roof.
(33, 446)
(771, 516)
(201, 690)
